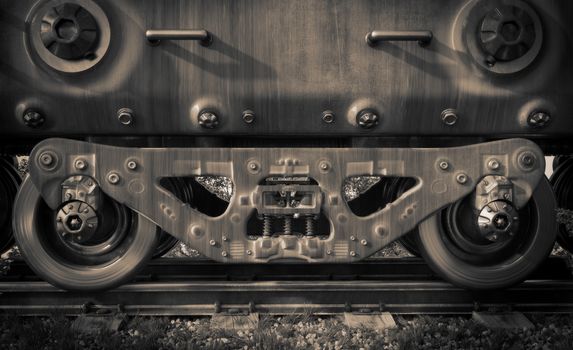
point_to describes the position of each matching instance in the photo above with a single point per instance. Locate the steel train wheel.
(562, 182)
(452, 247)
(123, 242)
(9, 182)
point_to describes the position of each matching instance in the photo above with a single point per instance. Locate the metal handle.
(423, 37)
(154, 36)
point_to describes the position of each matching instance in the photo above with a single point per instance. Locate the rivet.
(224, 253)
(113, 178)
(526, 160)
(329, 252)
(352, 238)
(132, 165)
(364, 242)
(225, 238)
(212, 242)
(352, 253)
(249, 252)
(444, 165)
(253, 166)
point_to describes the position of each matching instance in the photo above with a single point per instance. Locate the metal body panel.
(225, 238)
(287, 61)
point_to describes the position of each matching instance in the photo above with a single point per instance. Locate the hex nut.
(450, 117)
(461, 178)
(33, 118)
(131, 164)
(538, 119)
(125, 116)
(208, 120)
(248, 116)
(113, 178)
(328, 117)
(367, 119)
(80, 164)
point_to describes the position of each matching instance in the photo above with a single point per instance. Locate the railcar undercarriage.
(122, 105)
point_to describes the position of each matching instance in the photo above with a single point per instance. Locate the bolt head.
(462, 178)
(352, 253)
(125, 116)
(113, 178)
(364, 242)
(212, 242)
(324, 166)
(249, 252)
(33, 119)
(538, 119)
(80, 164)
(208, 120)
(253, 166)
(444, 165)
(527, 160)
(352, 238)
(449, 117)
(367, 119)
(132, 165)
(328, 117)
(224, 253)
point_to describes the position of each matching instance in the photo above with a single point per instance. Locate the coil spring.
(310, 226)
(287, 225)
(267, 226)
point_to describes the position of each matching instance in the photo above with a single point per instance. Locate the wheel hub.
(497, 221)
(77, 221)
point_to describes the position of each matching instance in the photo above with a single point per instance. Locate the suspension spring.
(287, 225)
(310, 226)
(267, 226)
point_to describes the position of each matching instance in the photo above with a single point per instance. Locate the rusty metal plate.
(288, 62)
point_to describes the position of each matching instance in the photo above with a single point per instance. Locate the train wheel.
(454, 248)
(562, 182)
(101, 258)
(410, 243)
(9, 182)
(558, 160)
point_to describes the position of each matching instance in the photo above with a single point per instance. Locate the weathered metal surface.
(224, 238)
(287, 62)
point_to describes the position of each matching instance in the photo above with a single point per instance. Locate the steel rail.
(176, 291)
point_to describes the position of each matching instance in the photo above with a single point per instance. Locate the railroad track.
(191, 287)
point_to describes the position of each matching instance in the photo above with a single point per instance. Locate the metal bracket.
(131, 176)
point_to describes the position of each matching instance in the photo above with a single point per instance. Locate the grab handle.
(423, 37)
(154, 36)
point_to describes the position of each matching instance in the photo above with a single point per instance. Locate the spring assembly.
(267, 226)
(310, 226)
(287, 225)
